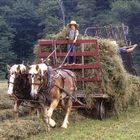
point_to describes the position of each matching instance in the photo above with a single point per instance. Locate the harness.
(53, 74)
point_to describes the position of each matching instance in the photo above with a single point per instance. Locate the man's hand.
(129, 50)
(74, 41)
(135, 45)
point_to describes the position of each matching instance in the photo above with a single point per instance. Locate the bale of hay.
(116, 82)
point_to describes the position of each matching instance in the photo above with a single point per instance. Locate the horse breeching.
(54, 51)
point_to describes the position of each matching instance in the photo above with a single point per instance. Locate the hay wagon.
(56, 51)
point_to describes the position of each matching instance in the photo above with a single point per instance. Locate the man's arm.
(76, 36)
(129, 50)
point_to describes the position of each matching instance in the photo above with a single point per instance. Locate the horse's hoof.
(53, 126)
(52, 123)
(64, 126)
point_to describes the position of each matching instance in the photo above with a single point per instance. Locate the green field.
(81, 127)
(127, 127)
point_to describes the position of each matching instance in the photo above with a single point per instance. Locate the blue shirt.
(122, 51)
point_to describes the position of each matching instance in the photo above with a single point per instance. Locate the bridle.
(11, 83)
(9, 79)
(16, 75)
(33, 76)
(50, 81)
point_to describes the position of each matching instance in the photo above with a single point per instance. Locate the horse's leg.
(32, 111)
(49, 122)
(16, 109)
(38, 111)
(68, 110)
(49, 112)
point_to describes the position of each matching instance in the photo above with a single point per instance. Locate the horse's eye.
(39, 78)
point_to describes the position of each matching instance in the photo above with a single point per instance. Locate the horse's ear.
(37, 67)
(28, 67)
(18, 68)
(8, 67)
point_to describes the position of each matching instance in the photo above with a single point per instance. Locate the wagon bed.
(45, 49)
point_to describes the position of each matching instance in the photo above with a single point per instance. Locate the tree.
(50, 14)
(25, 21)
(127, 12)
(6, 53)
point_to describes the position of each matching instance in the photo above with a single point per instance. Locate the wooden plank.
(81, 66)
(44, 42)
(45, 54)
(101, 95)
(83, 62)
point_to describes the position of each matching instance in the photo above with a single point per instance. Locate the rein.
(35, 83)
(11, 83)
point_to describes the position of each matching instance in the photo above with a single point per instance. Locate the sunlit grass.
(127, 127)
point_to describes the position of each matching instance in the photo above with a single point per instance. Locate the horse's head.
(12, 73)
(36, 73)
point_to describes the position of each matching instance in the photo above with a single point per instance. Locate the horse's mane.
(22, 87)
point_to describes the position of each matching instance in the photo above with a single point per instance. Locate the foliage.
(125, 11)
(50, 15)
(6, 53)
(25, 22)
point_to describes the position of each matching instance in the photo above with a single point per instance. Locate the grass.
(127, 127)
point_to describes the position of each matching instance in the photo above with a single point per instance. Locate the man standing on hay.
(72, 35)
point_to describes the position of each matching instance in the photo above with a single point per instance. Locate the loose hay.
(5, 102)
(22, 129)
(6, 114)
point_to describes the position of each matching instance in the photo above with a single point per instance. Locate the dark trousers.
(72, 48)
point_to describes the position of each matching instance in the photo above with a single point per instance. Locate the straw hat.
(73, 23)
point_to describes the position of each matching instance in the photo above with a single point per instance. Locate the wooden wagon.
(54, 51)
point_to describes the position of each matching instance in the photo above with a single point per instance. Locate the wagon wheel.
(100, 109)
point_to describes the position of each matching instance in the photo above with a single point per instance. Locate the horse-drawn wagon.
(55, 52)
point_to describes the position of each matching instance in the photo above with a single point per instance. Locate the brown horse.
(18, 86)
(14, 84)
(56, 86)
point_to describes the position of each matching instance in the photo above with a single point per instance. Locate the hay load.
(122, 87)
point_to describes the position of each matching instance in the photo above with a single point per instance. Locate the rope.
(65, 58)
(48, 56)
(54, 51)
